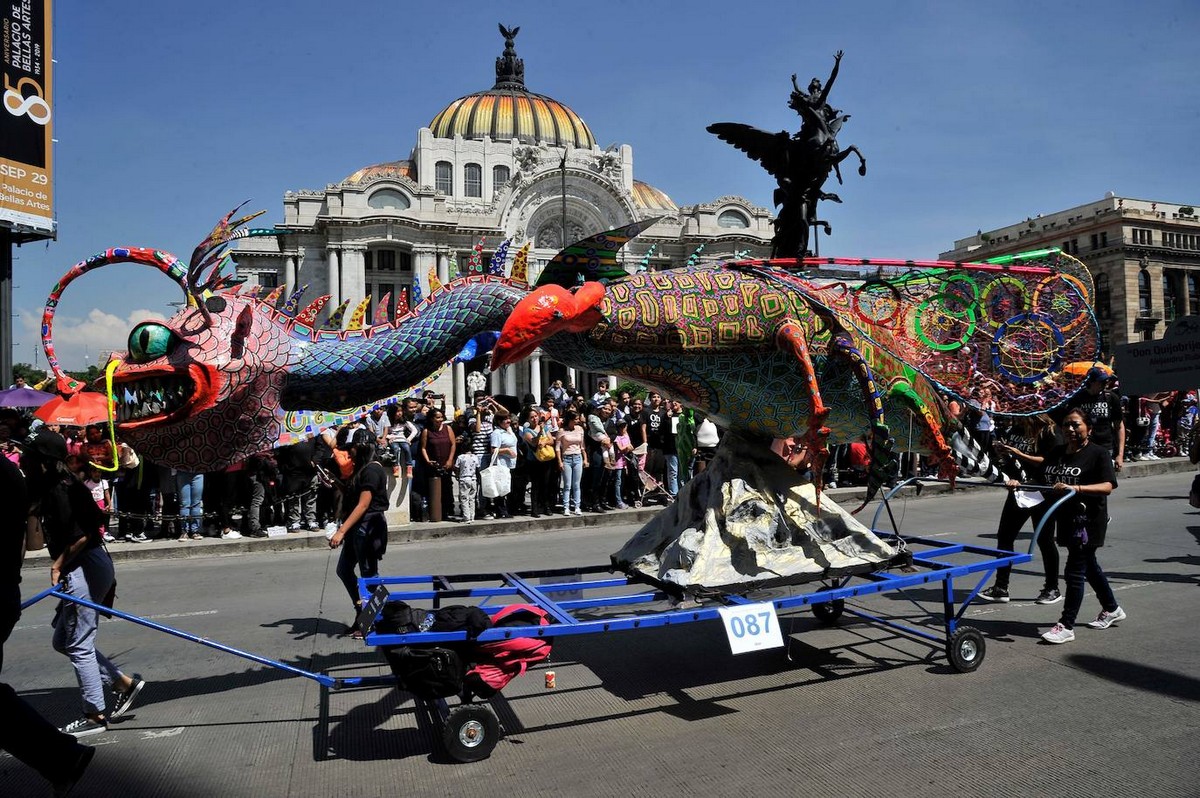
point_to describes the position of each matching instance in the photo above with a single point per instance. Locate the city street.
(859, 710)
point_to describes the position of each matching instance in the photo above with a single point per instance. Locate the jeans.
(466, 499)
(302, 505)
(617, 490)
(75, 629)
(572, 475)
(190, 488)
(672, 466)
(361, 548)
(258, 494)
(1082, 567)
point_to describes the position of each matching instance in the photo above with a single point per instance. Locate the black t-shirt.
(373, 479)
(1041, 446)
(1105, 410)
(68, 513)
(1088, 466)
(656, 422)
(634, 420)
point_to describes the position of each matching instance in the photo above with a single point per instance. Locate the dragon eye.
(149, 341)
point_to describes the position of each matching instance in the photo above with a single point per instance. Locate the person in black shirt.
(364, 530)
(1081, 523)
(80, 567)
(1020, 450)
(25, 734)
(1103, 405)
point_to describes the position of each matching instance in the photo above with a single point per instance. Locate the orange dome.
(648, 197)
(390, 169)
(508, 110)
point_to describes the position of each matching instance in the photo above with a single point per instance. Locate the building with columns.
(1144, 256)
(503, 163)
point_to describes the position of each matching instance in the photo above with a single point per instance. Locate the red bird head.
(547, 311)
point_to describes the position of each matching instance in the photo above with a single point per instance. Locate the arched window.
(1144, 293)
(388, 199)
(1103, 297)
(732, 219)
(473, 180)
(500, 176)
(1193, 288)
(444, 177)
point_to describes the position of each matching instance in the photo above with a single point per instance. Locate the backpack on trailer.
(429, 672)
(498, 662)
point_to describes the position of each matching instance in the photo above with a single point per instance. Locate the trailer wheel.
(828, 612)
(470, 733)
(966, 648)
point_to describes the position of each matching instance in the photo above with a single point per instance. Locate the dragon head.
(200, 390)
(547, 311)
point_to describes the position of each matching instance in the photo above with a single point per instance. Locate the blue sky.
(971, 115)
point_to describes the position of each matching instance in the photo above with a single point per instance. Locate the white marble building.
(504, 163)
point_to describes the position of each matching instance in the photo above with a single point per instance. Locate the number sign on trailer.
(751, 627)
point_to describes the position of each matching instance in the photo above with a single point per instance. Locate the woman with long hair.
(1021, 450)
(1081, 523)
(437, 453)
(363, 533)
(543, 474)
(569, 448)
(80, 566)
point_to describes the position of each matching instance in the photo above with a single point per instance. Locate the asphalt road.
(859, 711)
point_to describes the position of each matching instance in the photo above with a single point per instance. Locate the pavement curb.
(171, 549)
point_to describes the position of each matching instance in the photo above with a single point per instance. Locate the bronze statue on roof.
(800, 162)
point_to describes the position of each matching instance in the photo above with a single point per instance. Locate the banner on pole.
(26, 129)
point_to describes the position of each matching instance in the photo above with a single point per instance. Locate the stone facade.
(386, 227)
(1144, 256)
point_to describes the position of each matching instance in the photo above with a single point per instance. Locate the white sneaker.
(566, 511)
(578, 511)
(1059, 634)
(230, 534)
(1107, 619)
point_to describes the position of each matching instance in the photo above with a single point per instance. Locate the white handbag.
(495, 480)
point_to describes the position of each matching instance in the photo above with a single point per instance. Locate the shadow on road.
(1137, 675)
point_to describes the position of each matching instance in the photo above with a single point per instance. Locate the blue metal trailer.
(594, 600)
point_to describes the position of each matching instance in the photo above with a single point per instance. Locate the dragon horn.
(165, 262)
(293, 302)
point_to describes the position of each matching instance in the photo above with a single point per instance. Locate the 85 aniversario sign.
(26, 116)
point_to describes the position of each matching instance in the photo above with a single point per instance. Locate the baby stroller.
(641, 486)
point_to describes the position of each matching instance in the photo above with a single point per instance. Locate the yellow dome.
(648, 197)
(390, 169)
(508, 110)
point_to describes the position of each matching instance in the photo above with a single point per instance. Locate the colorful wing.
(592, 259)
(1014, 326)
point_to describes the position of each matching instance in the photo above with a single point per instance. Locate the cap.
(1098, 373)
(47, 443)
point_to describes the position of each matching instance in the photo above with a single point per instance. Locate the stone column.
(535, 375)
(443, 267)
(510, 380)
(497, 381)
(289, 273)
(335, 290)
(354, 274)
(460, 385)
(612, 383)
(572, 379)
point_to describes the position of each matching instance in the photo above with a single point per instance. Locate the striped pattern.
(504, 114)
(650, 198)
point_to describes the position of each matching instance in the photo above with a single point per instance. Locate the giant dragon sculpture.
(233, 373)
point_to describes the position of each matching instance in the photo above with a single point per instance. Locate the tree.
(32, 375)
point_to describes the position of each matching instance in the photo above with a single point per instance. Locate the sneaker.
(108, 538)
(124, 701)
(566, 511)
(578, 511)
(1107, 619)
(85, 727)
(230, 534)
(140, 537)
(63, 785)
(196, 536)
(995, 593)
(1048, 596)
(622, 506)
(1059, 634)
